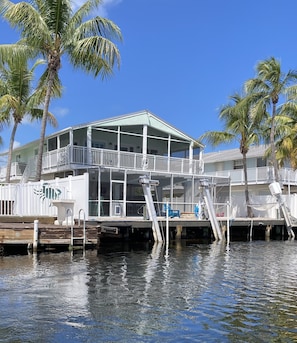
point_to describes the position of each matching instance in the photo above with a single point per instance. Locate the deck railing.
(258, 175)
(79, 157)
(17, 170)
(82, 156)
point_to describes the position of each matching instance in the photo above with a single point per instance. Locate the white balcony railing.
(80, 157)
(259, 175)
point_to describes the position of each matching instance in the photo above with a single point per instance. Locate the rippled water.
(198, 293)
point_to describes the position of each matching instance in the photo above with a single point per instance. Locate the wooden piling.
(35, 235)
(179, 230)
(267, 232)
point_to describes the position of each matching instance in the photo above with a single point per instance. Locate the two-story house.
(260, 176)
(114, 153)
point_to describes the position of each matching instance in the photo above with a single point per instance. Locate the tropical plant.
(51, 28)
(269, 85)
(240, 126)
(17, 99)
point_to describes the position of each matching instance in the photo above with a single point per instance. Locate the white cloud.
(16, 144)
(102, 9)
(60, 111)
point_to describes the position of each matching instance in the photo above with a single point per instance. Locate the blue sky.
(179, 59)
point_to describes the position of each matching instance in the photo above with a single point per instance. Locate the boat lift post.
(211, 212)
(276, 191)
(146, 186)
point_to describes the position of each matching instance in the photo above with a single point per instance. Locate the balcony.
(81, 157)
(16, 172)
(76, 157)
(261, 175)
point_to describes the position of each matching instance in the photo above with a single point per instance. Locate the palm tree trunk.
(246, 188)
(43, 123)
(272, 144)
(9, 158)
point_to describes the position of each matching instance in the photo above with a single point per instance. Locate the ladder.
(74, 238)
(217, 232)
(146, 186)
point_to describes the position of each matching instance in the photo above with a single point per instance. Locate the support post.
(35, 236)
(267, 232)
(179, 230)
(228, 222)
(167, 232)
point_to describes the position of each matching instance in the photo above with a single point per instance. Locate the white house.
(102, 161)
(260, 176)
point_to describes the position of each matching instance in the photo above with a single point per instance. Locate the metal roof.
(143, 117)
(233, 154)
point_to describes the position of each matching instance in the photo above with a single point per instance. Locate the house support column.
(89, 145)
(144, 147)
(188, 186)
(119, 145)
(168, 153)
(70, 147)
(191, 157)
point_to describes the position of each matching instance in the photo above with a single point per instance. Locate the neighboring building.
(260, 175)
(114, 153)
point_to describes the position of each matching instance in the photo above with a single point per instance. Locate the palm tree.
(52, 29)
(241, 126)
(269, 85)
(17, 99)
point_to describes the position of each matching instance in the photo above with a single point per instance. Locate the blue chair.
(196, 211)
(171, 213)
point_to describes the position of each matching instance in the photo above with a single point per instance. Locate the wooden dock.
(19, 231)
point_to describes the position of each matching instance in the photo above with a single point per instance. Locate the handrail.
(258, 175)
(84, 156)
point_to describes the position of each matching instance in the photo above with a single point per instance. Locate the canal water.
(244, 292)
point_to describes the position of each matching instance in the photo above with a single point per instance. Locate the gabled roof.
(233, 154)
(143, 117)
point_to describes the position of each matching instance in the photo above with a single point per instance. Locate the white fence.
(35, 198)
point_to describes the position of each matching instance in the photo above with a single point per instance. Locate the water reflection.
(245, 292)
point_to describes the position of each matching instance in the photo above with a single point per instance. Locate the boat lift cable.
(146, 186)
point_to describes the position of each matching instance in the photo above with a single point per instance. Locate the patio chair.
(171, 213)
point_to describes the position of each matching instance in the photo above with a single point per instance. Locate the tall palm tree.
(269, 85)
(17, 99)
(241, 126)
(50, 28)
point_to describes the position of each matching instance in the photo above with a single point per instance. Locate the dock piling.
(35, 235)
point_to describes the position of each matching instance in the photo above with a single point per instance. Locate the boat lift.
(146, 186)
(217, 232)
(276, 191)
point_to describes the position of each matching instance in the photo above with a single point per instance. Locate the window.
(261, 162)
(52, 144)
(100, 145)
(238, 164)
